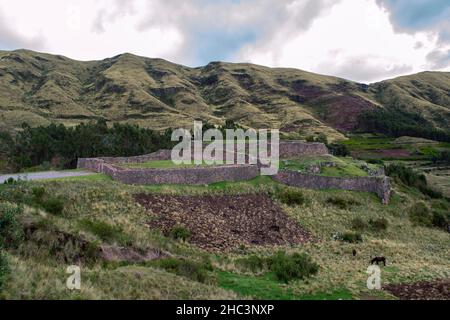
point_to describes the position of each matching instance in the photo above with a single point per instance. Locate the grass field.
(38, 264)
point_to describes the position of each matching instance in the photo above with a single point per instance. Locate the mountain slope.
(41, 88)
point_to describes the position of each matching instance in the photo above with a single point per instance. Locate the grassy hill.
(40, 88)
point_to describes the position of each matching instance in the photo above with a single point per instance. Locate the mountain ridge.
(41, 88)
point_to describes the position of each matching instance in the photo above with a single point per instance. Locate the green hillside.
(40, 88)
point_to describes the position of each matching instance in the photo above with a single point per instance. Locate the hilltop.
(40, 88)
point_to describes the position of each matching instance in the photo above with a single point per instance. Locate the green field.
(339, 167)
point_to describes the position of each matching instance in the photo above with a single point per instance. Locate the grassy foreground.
(102, 212)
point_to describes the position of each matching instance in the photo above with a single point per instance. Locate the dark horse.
(377, 260)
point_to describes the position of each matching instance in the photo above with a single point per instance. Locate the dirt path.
(224, 222)
(44, 175)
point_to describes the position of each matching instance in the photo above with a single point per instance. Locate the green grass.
(369, 142)
(266, 287)
(87, 178)
(343, 167)
(414, 253)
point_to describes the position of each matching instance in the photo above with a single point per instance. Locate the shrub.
(434, 194)
(440, 220)
(10, 181)
(53, 205)
(291, 197)
(420, 215)
(180, 233)
(375, 161)
(38, 193)
(186, 268)
(290, 267)
(409, 177)
(339, 150)
(352, 237)
(310, 139)
(378, 225)
(106, 232)
(359, 224)
(322, 138)
(10, 229)
(342, 203)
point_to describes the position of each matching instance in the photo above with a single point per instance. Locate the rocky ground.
(425, 290)
(223, 223)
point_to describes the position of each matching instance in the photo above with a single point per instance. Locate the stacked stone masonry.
(203, 175)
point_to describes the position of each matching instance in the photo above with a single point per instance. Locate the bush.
(359, 224)
(410, 178)
(38, 193)
(341, 203)
(10, 181)
(440, 220)
(180, 233)
(375, 161)
(352, 237)
(434, 194)
(420, 215)
(10, 229)
(378, 225)
(53, 205)
(186, 268)
(291, 197)
(4, 269)
(339, 150)
(291, 267)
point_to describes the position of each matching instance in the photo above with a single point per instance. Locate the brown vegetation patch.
(342, 112)
(224, 222)
(425, 290)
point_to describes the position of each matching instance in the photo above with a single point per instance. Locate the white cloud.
(354, 39)
(69, 28)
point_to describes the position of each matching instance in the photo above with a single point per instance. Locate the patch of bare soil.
(224, 222)
(425, 290)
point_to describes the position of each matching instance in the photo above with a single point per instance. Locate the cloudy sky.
(361, 40)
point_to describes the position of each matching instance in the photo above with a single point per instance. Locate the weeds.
(342, 203)
(292, 267)
(291, 197)
(180, 233)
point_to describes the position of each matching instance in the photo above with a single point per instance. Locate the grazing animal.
(377, 260)
(354, 252)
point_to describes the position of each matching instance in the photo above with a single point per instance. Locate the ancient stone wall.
(189, 176)
(211, 174)
(377, 185)
(194, 176)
